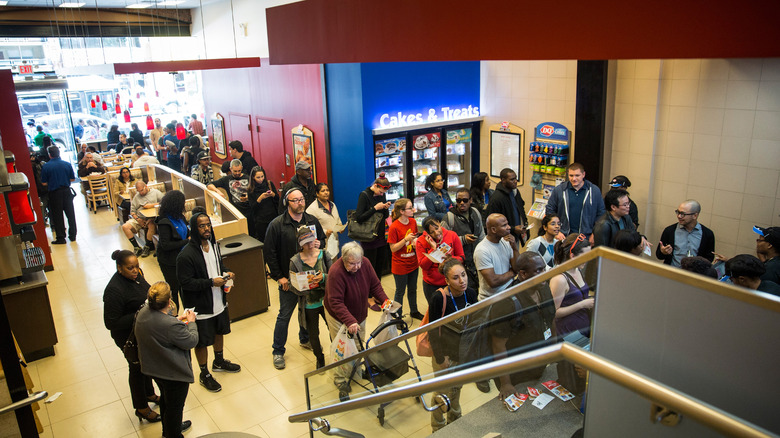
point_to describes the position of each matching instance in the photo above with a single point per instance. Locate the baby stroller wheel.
(380, 415)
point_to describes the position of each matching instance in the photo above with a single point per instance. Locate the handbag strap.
(131, 338)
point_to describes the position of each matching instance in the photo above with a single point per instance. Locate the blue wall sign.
(552, 131)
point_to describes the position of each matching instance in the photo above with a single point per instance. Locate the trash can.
(243, 255)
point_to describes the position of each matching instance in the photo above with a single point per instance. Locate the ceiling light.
(3, 3)
(72, 5)
(138, 6)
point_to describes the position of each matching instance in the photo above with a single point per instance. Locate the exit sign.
(25, 69)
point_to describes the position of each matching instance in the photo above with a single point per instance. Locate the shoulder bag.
(367, 231)
(423, 342)
(130, 349)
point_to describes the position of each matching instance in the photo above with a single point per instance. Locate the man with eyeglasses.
(281, 244)
(615, 219)
(768, 251)
(302, 181)
(466, 222)
(687, 237)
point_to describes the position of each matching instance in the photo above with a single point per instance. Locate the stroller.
(384, 366)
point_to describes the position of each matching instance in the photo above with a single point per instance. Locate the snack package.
(514, 401)
(558, 390)
(533, 392)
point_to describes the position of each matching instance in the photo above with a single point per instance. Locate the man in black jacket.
(237, 152)
(301, 181)
(466, 222)
(204, 284)
(687, 237)
(281, 244)
(506, 200)
(615, 219)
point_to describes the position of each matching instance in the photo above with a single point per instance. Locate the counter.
(29, 314)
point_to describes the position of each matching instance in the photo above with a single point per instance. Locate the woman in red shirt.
(433, 236)
(402, 237)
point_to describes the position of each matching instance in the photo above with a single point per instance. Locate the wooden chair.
(98, 191)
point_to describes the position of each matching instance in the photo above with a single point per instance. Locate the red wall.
(14, 140)
(327, 31)
(292, 93)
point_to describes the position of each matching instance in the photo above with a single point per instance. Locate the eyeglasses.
(682, 213)
(409, 209)
(580, 238)
(296, 200)
(625, 204)
(461, 200)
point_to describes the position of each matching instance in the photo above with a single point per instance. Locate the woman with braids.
(164, 344)
(174, 234)
(123, 296)
(263, 200)
(370, 201)
(480, 192)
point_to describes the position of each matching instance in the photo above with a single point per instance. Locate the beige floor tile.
(405, 416)
(244, 408)
(364, 421)
(113, 359)
(423, 432)
(288, 389)
(258, 431)
(119, 380)
(47, 433)
(102, 338)
(246, 339)
(131, 435)
(280, 425)
(82, 397)
(58, 372)
(231, 383)
(74, 345)
(108, 420)
(260, 363)
(69, 324)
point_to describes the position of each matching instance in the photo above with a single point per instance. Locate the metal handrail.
(761, 300)
(650, 389)
(24, 402)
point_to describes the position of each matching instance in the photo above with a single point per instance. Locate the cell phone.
(226, 277)
(268, 191)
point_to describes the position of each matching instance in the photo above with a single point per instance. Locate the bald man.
(496, 257)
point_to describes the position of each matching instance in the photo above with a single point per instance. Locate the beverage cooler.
(409, 157)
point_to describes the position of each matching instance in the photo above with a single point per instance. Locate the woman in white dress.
(326, 212)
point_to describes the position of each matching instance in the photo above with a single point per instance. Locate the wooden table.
(148, 213)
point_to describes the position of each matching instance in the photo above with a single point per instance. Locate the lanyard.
(453, 299)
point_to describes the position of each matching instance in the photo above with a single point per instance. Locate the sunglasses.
(461, 200)
(580, 238)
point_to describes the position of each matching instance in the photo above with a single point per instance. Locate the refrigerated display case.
(389, 157)
(452, 150)
(457, 159)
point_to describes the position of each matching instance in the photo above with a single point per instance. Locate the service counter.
(29, 314)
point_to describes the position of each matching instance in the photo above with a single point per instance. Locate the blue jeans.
(287, 302)
(407, 282)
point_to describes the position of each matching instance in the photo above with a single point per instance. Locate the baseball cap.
(203, 156)
(770, 234)
(305, 236)
(302, 165)
(620, 181)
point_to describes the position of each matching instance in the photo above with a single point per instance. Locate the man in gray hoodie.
(576, 202)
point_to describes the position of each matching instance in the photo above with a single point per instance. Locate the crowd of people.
(468, 250)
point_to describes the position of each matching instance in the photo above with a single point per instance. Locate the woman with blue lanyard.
(437, 200)
(174, 234)
(446, 343)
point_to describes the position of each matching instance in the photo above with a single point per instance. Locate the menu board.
(506, 152)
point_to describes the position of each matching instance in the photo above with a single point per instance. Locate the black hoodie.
(193, 275)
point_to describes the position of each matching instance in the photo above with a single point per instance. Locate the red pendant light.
(146, 106)
(117, 96)
(92, 103)
(181, 133)
(118, 110)
(105, 106)
(130, 104)
(156, 93)
(127, 116)
(149, 123)
(97, 98)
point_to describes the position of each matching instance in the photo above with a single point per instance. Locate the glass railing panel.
(518, 320)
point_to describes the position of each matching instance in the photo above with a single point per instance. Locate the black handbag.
(367, 231)
(130, 349)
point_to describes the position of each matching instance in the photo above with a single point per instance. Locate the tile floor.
(91, 372)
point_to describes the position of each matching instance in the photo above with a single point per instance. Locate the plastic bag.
(389, 332)
(341, 348)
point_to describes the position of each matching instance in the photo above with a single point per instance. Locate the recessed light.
(71, 5)
(138, 6)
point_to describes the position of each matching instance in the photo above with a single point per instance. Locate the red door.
(240, 126)
(273, 156)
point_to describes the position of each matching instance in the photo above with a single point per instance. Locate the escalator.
(666, 351)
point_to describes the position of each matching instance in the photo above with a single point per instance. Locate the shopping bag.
(341, 348)
(389, 332)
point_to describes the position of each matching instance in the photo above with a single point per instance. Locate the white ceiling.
(186, 4)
